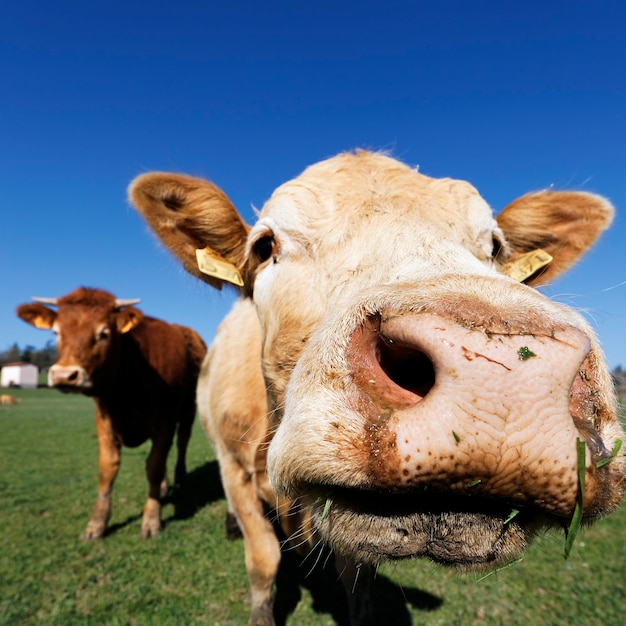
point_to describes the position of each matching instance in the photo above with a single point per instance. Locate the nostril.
(407, 367)
(388, 368)
(73, 376)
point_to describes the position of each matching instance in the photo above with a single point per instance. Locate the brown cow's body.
(416, 395)
(141, 373)
(7, 400)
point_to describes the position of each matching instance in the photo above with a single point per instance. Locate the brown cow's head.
(88, 325)
(425, 403)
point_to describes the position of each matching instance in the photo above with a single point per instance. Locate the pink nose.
(68, 376)
(480, 411)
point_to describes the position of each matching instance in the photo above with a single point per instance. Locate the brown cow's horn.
(52, 301)
(121, 303)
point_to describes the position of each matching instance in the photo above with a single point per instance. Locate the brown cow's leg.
(262, 550)
(108, 465)
(156, 465)
(182, 441)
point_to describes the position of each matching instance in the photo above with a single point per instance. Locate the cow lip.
(388, 503)
(374, 526)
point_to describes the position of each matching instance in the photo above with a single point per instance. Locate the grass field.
(190, 574)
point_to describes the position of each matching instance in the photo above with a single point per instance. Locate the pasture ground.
(191, 574)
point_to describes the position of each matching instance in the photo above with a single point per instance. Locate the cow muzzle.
(445, 421)
(69, 378)
(464, 410)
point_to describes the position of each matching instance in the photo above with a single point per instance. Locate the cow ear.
(128, 318)
(564, 224)
(38, 315)
(190, 214)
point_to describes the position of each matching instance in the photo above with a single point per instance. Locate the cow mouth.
(440, 463)
(466, 533)
(85, 389)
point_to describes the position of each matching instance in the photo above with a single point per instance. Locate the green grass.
(191, 574)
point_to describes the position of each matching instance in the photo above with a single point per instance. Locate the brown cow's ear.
(38, 315)
(128, 318)
(190, 214)
(564, 224)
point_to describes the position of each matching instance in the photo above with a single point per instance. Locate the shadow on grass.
(202, 486)
(389, 600)
(113, 528)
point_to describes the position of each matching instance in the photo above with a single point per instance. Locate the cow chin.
(468, 534)
(85, 389)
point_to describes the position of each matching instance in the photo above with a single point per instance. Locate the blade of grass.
(326, 509)
(616, 449)
(499, 569)
(574, 526)
(514, 513)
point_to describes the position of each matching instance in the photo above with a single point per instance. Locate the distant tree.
(43, 358)
(27, 354)
(10, 355)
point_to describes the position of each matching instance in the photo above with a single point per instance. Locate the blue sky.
(511, 96)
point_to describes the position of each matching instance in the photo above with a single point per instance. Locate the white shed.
(19, 375)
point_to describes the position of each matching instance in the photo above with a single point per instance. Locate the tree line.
(619, 376)
(43, 358)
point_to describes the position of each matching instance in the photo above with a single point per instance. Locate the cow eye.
(103, 334)
(265, 247)
(496, 247)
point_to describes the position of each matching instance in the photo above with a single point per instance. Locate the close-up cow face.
(425, 403)
(88, 325)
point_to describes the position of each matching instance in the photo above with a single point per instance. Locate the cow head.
(424, 402)
(88, 324)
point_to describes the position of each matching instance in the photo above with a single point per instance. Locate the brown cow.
(7, 400)
(141, 373)
(421, 401)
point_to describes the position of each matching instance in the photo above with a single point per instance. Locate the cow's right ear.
(127, 318)
(190, 214)
(38, 315)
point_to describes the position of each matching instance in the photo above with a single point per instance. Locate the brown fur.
(174, 193)
(562, 223)
(141, 373)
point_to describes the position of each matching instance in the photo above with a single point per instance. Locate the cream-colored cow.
(417, 399)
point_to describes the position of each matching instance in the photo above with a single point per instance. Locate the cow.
(391, 379)
(141, 373)
(7, 400)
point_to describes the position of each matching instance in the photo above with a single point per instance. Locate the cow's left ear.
(128, 318)
(563, 223)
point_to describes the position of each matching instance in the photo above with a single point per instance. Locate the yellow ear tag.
(526, 265)
(212, 264)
